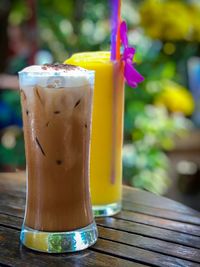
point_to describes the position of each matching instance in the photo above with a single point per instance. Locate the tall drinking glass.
(56, 103)
(107, 130)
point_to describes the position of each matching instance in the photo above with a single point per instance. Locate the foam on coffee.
(62, 75)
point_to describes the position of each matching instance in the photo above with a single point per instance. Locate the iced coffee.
(56, 104)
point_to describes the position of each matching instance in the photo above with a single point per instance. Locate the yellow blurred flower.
(176, 98)
(195, 21)
(170, 20)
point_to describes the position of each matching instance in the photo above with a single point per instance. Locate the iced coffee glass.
(56, 104)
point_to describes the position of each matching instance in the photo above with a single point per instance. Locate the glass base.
(106, 210)
(59, 242)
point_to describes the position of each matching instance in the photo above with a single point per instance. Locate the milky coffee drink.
(56, 103)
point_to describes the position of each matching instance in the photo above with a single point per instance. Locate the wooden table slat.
(151, 244)
(152, 200)
(150, 231)
(144, 256)
(19, 212)
(10, 221)
(161, 213)
(159, 222)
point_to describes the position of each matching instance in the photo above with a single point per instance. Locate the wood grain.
(151, 200)
(151, 244)
(166, 248)
(20, 256)
(150, 231)
(141, 255)
(162, 213)
(159, 222)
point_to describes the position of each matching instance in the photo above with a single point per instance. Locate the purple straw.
(114, 24)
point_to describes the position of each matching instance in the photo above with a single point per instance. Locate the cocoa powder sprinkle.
(58, 66)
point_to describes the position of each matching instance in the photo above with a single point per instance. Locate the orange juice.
(107, 130)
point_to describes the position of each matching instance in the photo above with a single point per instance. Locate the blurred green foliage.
(68, 27)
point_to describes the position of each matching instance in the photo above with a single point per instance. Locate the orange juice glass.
(107, 130)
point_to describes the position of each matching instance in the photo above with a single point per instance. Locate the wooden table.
(150, 231)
